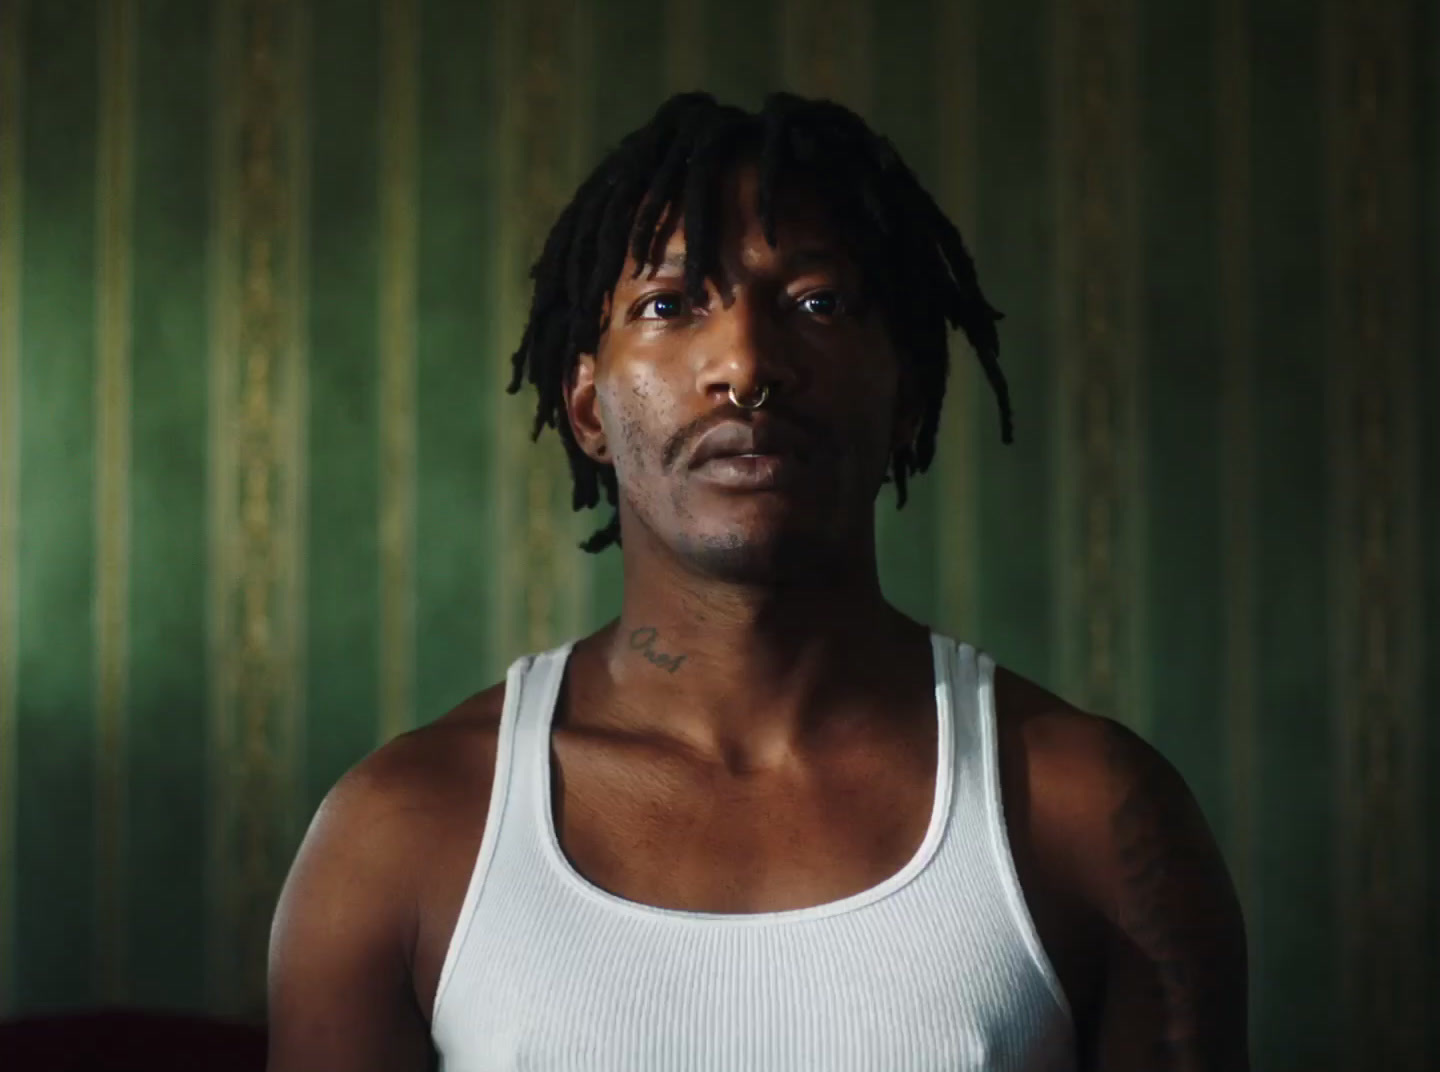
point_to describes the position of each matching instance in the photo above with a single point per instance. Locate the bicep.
(339, 993)
(1175, 982)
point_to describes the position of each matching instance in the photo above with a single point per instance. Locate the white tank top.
(939, 967)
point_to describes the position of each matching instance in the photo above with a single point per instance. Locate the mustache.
(802, 427)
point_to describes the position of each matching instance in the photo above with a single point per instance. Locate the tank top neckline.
(942, 650)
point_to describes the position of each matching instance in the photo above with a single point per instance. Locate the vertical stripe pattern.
(1015, 238)
(684, 45)
(1237, 403)
(1271, 390)
(256, 361)
(957, 561)
(398, 209)
(224, 291)
(12, 23)
(114, 188)
(825, 50)
(1374, 554)
(1098, 355)
(458, 373)
(292, 408)
(541, 596)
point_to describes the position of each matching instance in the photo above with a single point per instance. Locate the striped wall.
(265, 503)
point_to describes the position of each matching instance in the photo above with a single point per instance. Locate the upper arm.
(339, 977)
(1174, 991)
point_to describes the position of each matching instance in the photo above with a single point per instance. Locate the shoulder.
(1096, 790)
(1115, 828)
(384, 825)
(1075, 758)
(343, 988)
(414, 778)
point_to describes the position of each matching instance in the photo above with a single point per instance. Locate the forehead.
(804, 230)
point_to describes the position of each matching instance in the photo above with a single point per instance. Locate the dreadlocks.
(910, 256)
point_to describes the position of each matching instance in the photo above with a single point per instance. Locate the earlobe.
(582, 407)
(907, 412)
(907, 423)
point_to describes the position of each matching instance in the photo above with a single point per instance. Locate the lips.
(737, 437)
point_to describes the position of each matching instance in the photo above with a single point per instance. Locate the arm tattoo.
(1178, 908)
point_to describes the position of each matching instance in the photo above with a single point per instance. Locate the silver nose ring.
(759, 401)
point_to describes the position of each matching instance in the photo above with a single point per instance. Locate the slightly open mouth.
(750, 472)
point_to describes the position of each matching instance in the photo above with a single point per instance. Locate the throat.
(748, 712)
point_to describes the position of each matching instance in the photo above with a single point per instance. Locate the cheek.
(631, 411)
(870, 393)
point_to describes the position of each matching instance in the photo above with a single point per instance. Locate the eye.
(823, 303)
(667, 306)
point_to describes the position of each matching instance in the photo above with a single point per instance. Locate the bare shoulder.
(1088, 779)
(412, 783)
(1075, 758)
(350, 925)
(407, 797)
(1110, 824)
(381, 873)
(1129, 840)
(1128, 885)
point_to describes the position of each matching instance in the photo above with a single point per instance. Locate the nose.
(742, 346)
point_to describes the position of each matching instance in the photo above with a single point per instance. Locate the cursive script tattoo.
(643, 641)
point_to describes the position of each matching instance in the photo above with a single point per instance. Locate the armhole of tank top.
(494, 817)
(1000, 836)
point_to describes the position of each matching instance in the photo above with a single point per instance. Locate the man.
(761, 820)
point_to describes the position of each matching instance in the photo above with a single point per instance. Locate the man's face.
(789, 317)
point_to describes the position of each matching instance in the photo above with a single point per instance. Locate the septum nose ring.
(759, 400)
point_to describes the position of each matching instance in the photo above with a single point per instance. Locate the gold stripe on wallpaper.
(957, 559)
(293, 423)
(257, 405)
(114, 186)
(684, 45)
(511, 419)
(545, 60)
(573, 573)
(1099, 568)
(399, 88)
(825, 51)
(224, 288)
(1371, 161)
(1237, 422)
(12, 80)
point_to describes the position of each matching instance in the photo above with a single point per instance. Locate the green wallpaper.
(264, 501)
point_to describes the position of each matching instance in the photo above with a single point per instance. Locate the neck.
(749, 675)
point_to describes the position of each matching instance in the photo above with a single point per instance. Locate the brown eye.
(667, 306)
(822, 303)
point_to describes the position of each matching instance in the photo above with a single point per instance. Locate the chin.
(749, 558)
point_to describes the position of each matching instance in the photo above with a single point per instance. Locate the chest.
(653, 830)
(659, 832)
(663, 832)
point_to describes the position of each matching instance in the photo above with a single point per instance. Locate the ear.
(907, 412)
(582, 407)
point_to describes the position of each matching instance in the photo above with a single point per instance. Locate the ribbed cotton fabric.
(937, 968)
